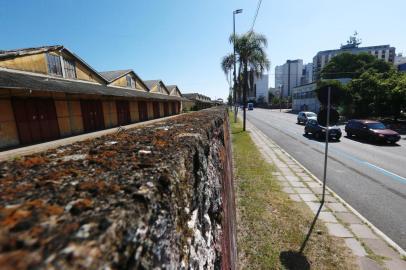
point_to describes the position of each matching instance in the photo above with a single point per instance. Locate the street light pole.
(237, 11)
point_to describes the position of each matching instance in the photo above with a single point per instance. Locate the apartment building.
(288, 76)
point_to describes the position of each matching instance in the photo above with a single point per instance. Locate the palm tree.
(250, 48)
(227, 64)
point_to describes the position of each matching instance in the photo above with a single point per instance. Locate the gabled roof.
(152, 83)
(172, 89)
(14, 80)
(191, 95)
(30, 51)
(113, 75)
(197, 96)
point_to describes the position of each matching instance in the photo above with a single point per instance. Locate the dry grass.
(271, 228)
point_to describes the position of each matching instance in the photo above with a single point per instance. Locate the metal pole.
(324, 177)
(326, 147)
(235, 80)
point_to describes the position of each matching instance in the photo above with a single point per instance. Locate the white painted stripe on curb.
(375, 229)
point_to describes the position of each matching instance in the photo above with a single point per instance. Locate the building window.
(70, 69)
(54, 64)
(130, 81)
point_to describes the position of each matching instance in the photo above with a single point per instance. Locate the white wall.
(312, 103)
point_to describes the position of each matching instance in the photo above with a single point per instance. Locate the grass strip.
(271, 227)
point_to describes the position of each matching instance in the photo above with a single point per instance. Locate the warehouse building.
(48, 93)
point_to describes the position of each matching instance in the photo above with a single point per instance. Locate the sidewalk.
(370, 246)
(40, 147)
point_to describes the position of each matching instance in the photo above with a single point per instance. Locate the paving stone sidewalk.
(341, 222)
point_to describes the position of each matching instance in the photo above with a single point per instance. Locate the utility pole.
(288, 79)
(237, 11)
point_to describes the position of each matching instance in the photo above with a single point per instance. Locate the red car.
(371, 130)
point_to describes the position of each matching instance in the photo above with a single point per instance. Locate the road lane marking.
(392, 175)
(374, 228)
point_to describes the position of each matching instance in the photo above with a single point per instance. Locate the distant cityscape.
(296, 80)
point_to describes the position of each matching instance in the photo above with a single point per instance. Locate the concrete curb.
(355, 212)
(267, 147)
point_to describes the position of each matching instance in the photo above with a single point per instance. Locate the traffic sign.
(322, 117)
(322, 94)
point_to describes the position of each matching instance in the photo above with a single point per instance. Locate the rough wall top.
(142, 198)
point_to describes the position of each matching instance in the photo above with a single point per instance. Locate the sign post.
(324, 116)
(326, 147)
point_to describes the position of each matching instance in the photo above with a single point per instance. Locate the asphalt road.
(371, 178)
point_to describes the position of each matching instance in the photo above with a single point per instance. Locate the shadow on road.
(310, 137)
(364, 141)
(289, 111)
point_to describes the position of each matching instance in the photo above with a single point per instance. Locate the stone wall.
(155, 197)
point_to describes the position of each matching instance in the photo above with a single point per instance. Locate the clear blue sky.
(182, 41)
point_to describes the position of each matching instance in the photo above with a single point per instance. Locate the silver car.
(302, 117)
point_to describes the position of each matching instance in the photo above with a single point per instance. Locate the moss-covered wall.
(119, 202)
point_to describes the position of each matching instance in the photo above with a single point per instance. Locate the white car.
(303, 117)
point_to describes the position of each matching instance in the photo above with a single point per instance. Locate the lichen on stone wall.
(145, 198)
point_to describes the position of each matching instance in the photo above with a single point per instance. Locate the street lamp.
(280, 97)
(237, 11)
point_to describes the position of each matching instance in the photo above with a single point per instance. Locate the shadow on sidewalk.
(293, 260)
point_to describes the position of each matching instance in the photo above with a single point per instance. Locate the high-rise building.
(259, 90)
(292, 74)
(307, 76)
(278, 76)
(400, 59)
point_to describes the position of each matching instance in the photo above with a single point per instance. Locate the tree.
(261, 100)
(398, 96)
(227, 64)
(347, 65)
(375, 88)
(270, 95)
(276, 100)
(230, 100)
(250, 48)
(337, 97)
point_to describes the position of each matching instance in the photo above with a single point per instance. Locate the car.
(319, 132)
(250, 106)
(371, 130)
(302, 117)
